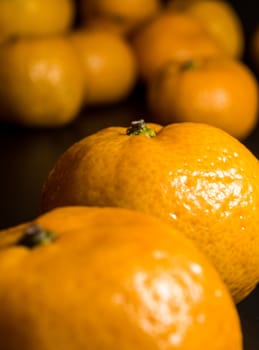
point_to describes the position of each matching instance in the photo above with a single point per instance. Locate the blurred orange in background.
(41, 81)
(119, 44)
(172, 35)
(219, 91)
(110, 69)
(35, 17)
(117, 15)
(221, 20)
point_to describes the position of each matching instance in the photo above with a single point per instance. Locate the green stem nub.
(139, 127)
(34, 235)
(190, 64)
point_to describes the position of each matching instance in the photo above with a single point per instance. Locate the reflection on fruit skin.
(195, 176)
(154, 290)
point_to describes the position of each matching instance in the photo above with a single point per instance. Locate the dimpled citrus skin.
(196, 176)
(112, 279)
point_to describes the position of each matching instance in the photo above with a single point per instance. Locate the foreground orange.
(219, 91)
(195, 176)
(108, 278)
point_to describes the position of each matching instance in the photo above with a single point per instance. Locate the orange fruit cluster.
(51, 67)
(190, 58)
(147, 236)
(117, 45)
(40, 74)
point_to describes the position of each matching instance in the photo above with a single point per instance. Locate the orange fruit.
(172, 36)
(109, 65)
(219, 91)
(121, 17)
(221, 20)
(41, 81)
(110, 278)
(195, 176)
(35, 17)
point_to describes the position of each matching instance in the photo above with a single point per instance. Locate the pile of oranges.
(51, 67)
(58, 58)
(147, 236)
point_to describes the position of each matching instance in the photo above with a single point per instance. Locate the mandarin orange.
(110, 278)
(219, 91)
(220, 18)
(19, 18)
(109, 65)
(121, 17)
(41, 81)
(195, 176)
(172, 36)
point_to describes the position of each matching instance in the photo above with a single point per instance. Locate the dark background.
(27, 155)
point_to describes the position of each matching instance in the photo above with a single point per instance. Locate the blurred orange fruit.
(35, 17)
(219, 91)
(109, 64)
(172, 35)
(195, 176)
(41, 81)
(118, 16)
(110, 279)
(221, 20)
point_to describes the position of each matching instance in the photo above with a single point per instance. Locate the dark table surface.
(27, 155)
